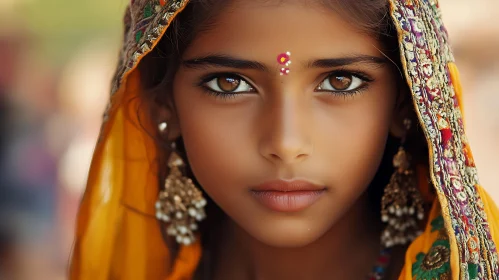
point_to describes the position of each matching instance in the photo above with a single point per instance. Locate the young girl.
(285, 140)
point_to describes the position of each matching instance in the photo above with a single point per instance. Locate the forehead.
(263, 28)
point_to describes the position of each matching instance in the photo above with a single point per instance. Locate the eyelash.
(224, 96)
(221, 95)
(227, 95)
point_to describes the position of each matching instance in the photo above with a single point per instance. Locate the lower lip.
(287, 201)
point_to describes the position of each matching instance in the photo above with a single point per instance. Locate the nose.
(286, 137)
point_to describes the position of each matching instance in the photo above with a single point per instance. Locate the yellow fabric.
(492, 213)
(458, 88)
(117, 235)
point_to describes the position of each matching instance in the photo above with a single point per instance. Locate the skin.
(283, 127)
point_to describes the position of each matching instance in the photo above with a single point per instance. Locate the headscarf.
(118, 237)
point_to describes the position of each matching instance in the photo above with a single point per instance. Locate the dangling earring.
(401, 204)
(180, 202)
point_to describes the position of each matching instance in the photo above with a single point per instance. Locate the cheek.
(205, 142)
(218, 148)
(356, 144)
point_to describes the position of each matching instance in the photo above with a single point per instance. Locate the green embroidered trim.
(435, 264)
(138, 36)
(473, 271)
(148, 11)
(437, 223)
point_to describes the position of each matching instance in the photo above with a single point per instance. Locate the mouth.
(287, 196)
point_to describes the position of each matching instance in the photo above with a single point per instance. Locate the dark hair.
(159, 67)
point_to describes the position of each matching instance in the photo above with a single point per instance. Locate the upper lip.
(287, 186)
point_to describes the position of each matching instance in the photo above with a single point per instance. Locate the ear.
(168, 115)
(403, 110)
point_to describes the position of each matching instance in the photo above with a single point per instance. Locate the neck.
(347, 251)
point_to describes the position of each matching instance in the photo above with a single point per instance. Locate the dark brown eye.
(228, 83)
(341, 82)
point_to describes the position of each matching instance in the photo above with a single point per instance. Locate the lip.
(287, 196)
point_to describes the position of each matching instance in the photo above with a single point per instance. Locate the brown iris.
(341, 82)
(228, 83)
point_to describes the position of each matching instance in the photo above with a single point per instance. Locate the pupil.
(228, 83)
(340, 82)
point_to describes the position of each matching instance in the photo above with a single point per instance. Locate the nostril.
(297, 157)
(301, 156)
(274, 156)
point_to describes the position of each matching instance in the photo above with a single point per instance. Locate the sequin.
(434, 264)
(285, 60)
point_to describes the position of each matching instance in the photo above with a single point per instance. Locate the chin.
(287, 233)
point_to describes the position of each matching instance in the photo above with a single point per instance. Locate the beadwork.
(401, 204)
(180, 204)
(379, 270)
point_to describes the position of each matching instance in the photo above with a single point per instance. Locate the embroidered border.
(426, 54)
(145, 22)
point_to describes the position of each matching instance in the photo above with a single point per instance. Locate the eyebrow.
(232, 62)
(223, 61)
(344, 61)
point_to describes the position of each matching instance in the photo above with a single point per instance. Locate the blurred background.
(56, 61)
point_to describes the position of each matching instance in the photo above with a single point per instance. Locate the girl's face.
(285, 156)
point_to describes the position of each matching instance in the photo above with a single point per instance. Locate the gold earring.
(401, 204)
(180, 203)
